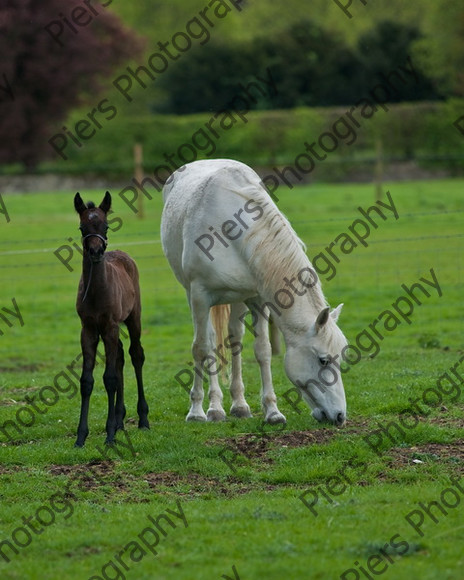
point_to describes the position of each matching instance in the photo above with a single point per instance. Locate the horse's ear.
(79, 205)
(106, 203)
(336, 312)
(322, 318)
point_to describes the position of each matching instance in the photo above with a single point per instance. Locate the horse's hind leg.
(120, 409)
(202, 350)
(89, 343)
(138, 357)
(239, 406)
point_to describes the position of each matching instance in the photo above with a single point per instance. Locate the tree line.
(311, 68)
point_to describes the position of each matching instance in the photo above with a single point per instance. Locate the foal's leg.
(263, 354)
(120, 409)
(239, 406)
(138, 357)
(111, 378)
(202, 350)
(89, 343)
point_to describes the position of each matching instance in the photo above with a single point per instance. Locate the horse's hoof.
(193, 417)
(275, 418)
(216, 415)
(78, 445)
(109, 442)
(242, 412)
(144, 425)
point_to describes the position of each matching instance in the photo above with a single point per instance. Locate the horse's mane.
(278, 252)
(90, 205)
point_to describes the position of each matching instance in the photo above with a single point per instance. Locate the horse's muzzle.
(338, 419)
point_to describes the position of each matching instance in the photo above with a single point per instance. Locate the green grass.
(250, 517)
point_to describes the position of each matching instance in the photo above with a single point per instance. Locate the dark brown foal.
(108, 294)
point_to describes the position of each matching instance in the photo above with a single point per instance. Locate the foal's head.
(93, 226)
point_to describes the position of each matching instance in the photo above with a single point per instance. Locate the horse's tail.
(220, 315)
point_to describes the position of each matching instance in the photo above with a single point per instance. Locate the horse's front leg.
(89, 343)
(113, 382)
(263, 354)
(239, 406)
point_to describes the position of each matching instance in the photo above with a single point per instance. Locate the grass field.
(236, 489)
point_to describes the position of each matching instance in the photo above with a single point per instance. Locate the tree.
(53, 57)
(311, 66)
(206, 78)
(383, 49)
(441, 51)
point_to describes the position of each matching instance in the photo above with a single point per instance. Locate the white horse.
(227, 243)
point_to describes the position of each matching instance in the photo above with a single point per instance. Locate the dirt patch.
(100, 467)
(450, 453)
(21, 368)
(92, 475)
(195, 484)
(302, 438)
(6, 470)
(19, 392)
(258, 445)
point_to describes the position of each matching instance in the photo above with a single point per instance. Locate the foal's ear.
(106, 203)
(322, 318)
(79, 205)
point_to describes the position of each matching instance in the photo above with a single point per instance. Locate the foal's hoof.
(275, 418)
(78, 445)
(144, 425)
(216, 415)
(242, 412)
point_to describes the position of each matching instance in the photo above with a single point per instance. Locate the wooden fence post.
(378, 169)
(138, 175)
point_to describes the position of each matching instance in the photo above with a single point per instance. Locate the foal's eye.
(324, 361)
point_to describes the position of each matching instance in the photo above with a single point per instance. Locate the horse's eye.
(324, 361)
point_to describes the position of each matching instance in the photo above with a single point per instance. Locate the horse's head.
(93, 226)
(312, 363)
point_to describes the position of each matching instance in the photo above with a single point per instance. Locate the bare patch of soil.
(21, 368)
(196, 484)
(97, 473)
(450, 453)
(257, 445)
(92, 475)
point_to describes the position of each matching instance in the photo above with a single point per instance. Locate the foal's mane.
(278, 251)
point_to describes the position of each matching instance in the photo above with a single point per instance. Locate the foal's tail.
(220, 315)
